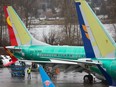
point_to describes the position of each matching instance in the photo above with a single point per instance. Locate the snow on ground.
(45, 29)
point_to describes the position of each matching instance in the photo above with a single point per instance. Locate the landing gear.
(104, 81)
(88, 79)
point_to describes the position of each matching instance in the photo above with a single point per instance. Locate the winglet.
(45, 78)
(97, 41)
(85, 36)
(13, 58)
(12, 37)
(18, 33)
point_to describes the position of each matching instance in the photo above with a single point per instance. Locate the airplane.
(46, 81)
(5, 59)
(97, 59)
(26, 48)
(101, 60)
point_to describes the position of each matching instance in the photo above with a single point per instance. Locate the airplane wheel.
(88, 79)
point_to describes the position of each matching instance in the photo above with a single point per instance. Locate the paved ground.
(63, 80)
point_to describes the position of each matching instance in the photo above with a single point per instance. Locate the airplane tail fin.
(18, 33)
(45, 78)
(97, 42)
(13, 58)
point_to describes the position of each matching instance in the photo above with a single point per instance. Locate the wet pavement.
(63, 80)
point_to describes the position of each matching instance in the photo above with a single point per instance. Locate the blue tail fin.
(97, 41)
(45, 78)
(88, 47)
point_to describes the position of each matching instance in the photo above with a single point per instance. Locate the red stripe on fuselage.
(13, 40)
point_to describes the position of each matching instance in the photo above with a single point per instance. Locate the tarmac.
(70, 79)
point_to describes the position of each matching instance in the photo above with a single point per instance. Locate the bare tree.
(54, 37)
(72, 36)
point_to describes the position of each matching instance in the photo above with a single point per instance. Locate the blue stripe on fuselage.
(87, 44)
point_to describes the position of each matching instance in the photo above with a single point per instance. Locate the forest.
(55, 12)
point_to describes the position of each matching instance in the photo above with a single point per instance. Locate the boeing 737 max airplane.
(99, 46)
(25, 47)
(101, 60)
